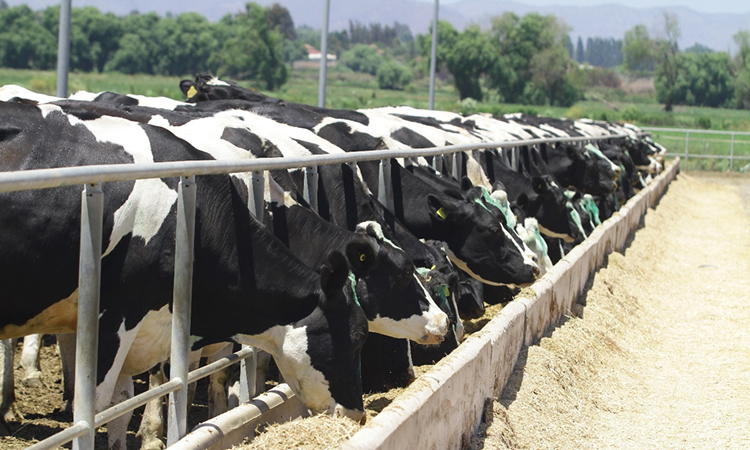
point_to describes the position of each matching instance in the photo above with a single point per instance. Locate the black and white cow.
(247, 286)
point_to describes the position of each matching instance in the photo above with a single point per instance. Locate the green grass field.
(350, 90)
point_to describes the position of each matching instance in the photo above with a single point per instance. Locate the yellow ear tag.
(441, 213)
(191, 92)
(362, 257)
(447, 292)
(433, 267)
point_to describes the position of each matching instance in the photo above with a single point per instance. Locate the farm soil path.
(659, 358)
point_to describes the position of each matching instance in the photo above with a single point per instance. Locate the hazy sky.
(712, 6)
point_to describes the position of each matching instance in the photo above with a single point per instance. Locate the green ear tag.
(191, 92)
(441, 213)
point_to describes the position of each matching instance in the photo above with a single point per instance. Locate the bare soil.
(660, 357)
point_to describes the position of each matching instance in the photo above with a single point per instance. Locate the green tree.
(668, 68)
(742, 60)
(362, 58)
(280, 19)
(253, 50)
(580, 52)
(472, 56)
(639, 51)
(705, 79)
(531, 60)
(24, 42)
(392, 75)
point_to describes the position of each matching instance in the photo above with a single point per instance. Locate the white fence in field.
(688, 144)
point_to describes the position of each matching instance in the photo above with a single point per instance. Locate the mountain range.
(607, 20)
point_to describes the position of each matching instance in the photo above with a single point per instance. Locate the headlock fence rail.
(86, 420)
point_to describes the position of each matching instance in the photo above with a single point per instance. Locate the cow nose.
(536, 271)
(617, 171)
(356, 415)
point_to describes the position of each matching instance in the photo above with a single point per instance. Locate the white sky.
(712, 6)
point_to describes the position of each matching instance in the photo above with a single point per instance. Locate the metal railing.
(702, 145)
(85, 420)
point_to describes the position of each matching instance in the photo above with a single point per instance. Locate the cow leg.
(117, 429)
(152, 424)
(217, 394)
(7, 391)
(66, 347)
(32, 374)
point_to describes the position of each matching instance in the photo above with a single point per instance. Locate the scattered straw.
(659, 357)
(313, 433)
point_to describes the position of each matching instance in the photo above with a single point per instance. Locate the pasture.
(350, 90)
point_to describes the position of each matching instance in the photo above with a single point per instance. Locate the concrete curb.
(443, 408)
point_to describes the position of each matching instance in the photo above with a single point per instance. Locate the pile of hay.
(317, 432)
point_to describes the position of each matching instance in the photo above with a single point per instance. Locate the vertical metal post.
(248, 366)
(687, 143)
(63, 49)
(323, 56)
(437, 163)
(311, 187)
(255, 197)
(385, 188)
(89, 284)
(181, 304)
(433, 55)
(731, 154)
(457, 166)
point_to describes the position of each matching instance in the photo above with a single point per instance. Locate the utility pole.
(63, 49)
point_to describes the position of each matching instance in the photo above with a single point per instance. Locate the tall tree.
(742, 84)
(580, 51)
(254, 51)
(519, 75)
(638, 49)
(668, 69)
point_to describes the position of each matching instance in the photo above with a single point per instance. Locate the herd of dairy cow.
(346, 298)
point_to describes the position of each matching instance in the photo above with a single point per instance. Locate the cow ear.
(522, 201)
(333, 277)
(466, 184)
(540, 186)
(361, 255)
(439, 211)
(188, 88)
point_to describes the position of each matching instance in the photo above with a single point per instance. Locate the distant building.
(313, 58)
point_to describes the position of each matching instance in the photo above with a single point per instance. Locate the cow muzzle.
(354, 414)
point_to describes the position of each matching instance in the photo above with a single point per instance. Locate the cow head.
(393, 297)
(549, 205)
(589, 172)
(207, 87)
(478, 242)
(319, 355)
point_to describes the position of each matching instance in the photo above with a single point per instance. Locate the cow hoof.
(34, 380)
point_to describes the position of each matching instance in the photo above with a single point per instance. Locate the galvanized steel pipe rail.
(85, 423)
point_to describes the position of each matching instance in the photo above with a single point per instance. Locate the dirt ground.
(660, 358)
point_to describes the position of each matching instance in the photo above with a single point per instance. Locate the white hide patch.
(10, 91)
(152, 343)
(105, 390)
(423, 329)
(288, 346)
(150, 201)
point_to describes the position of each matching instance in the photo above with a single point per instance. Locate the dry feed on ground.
(660, 357)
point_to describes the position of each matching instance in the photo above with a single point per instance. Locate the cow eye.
(495, 230)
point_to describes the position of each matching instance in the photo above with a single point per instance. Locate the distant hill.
(610, 20)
